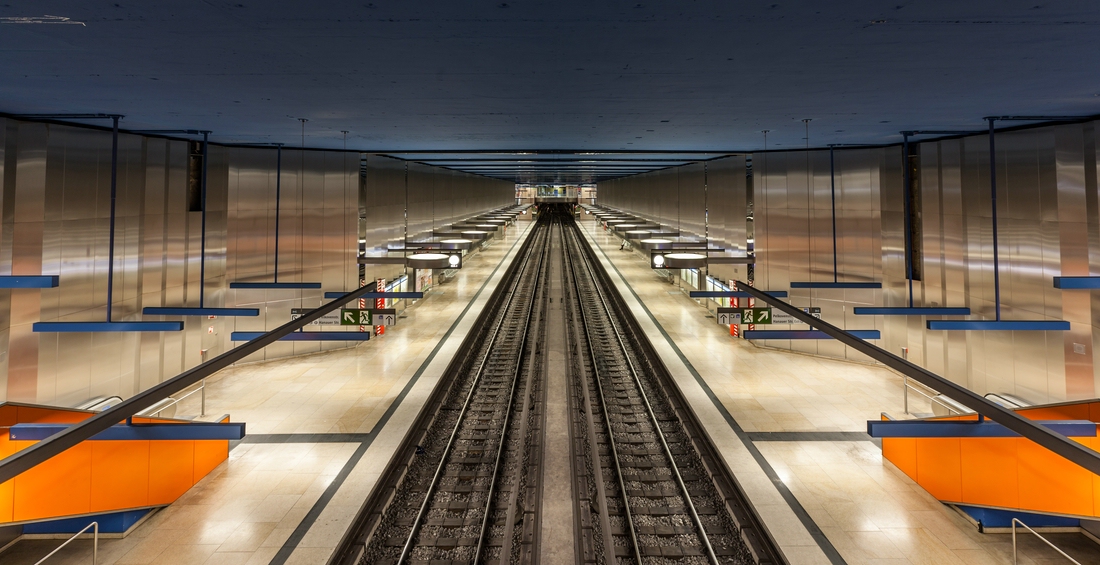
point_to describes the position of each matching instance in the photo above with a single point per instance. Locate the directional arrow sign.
(354, 317)
(756, 315)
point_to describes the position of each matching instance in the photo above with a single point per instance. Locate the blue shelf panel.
(828, 285)
(274, 285)
(733, 294)
(806, 334)
(970, 428)
(389, 295)
(1076, 283)
(104, 327)
(137, 432)
(306, 336)
(170, 311)
(1002, 325)
(917, 311)
(995, 518)
(110, 523)
(29, 281)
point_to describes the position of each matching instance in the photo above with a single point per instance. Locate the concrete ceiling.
(409, 75)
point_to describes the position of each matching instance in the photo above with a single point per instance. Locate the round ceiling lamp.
(684, 260)
(637, 234)
(655, 244)
(456, 244)
(488, 227)
(475, 234)
(433, 261)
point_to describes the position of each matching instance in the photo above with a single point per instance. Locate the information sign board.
(330, 319)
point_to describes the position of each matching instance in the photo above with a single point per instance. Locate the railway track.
(465, 485)
(651, 489)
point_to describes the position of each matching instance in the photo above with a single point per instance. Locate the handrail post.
(1014, 520)
(95, 543)
(1045, 540)
(202, 411)
(905, 381)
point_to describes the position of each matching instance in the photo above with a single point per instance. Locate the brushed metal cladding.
(421, 189)
(28, 203)
(1069, 188)
(727, 208)
(692, 190)
(384, 209)
(1093, 220)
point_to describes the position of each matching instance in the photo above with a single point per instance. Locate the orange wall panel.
(171, 470)
(1050, 483)
(989, 474)
(100, 476)
(939, 469)
(902, 452)
(58, 487)
(208, 455)
(120, 475)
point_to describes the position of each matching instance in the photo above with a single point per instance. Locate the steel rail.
(1045, 437)
(512, 393)
(628, 515)
(527, 410)
(703, 537)
(21, 461)
(422, 511)
(585, 397)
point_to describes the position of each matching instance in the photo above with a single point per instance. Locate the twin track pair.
(467, 484)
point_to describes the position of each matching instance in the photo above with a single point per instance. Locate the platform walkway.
(792, 427)
(321, 428)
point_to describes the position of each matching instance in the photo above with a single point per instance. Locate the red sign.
(379, 286)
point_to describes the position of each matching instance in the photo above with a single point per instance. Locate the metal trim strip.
(305, 336)
(184, 311)
(1076, 283)
(274, 285)
(831, 285)
(807, 334)
(105, 327)
(910, 311)
(999, 325)
(389, 295)
(732, 294)
(29, 281)
(972, 428)
(138, 432)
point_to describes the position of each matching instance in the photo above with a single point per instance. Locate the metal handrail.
(14, 464)
(175, 401)
(1045, 437)
(908, 385)
(95, 543)
(1038, 535)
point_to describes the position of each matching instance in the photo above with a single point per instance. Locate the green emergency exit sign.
(756, 315)
(354, 317)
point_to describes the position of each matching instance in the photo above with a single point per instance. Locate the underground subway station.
(516, 282)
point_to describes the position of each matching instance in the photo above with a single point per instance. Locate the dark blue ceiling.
(522, 75)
